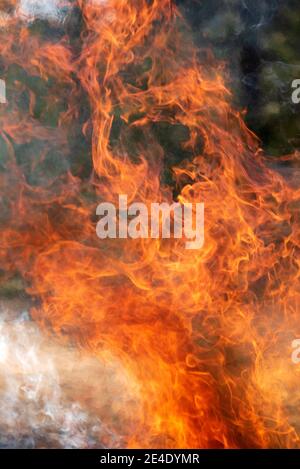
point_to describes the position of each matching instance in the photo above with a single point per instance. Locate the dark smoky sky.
(259, 39)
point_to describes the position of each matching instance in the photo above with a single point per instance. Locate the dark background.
(259, 39)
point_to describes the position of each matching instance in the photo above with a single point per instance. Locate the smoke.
(42, 9)
(53, 11)
(44, 390)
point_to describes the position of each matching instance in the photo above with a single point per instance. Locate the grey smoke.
(52, 396)
(42, 9)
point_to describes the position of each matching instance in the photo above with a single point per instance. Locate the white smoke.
(54, 11)
(45, 388)
(42, 9)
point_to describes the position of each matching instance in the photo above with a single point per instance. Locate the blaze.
(204, 334)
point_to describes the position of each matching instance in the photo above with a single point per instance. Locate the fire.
(202, 335)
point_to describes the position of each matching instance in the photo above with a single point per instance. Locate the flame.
(204, 335)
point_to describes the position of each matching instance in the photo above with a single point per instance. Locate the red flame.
(204, 334)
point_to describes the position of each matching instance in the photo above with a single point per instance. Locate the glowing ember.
(199, 339)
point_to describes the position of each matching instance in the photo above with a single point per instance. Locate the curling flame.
(205, 334)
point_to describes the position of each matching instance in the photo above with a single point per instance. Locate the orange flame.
(205, 334)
